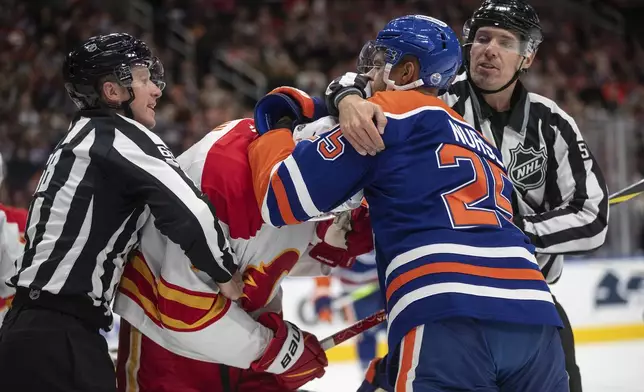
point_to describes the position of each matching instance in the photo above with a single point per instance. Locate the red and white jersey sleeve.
(12, 227)
(177, 306)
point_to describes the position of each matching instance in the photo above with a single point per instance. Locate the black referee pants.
(47, 350)
(568, 342)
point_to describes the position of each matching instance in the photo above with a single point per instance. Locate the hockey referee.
(101, 183)
(561, 198)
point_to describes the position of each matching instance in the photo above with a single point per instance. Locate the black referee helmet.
(516, 16)
(107, 58)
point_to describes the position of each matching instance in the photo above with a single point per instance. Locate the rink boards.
(604, 299)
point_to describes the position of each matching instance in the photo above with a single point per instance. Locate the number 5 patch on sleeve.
(331, 146)
(583, 150)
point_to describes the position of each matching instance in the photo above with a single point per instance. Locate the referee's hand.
(234, 288)
(362, 123)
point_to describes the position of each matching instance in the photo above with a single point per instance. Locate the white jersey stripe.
(464, 288)
(300, 187)
(80, 166)
(465, 250)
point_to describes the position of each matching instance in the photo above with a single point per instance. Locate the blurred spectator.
(589, 71)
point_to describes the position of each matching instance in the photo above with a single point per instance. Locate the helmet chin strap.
(125, 105)
(391, 85)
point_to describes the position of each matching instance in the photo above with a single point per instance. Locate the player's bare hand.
(234, 288)
(357, 118)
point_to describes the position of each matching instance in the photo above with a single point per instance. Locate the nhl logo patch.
(527, 168)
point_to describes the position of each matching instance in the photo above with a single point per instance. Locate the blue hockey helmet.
(429, 40)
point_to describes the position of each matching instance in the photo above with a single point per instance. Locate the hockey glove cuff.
(360, 237)
(347, 84)
(341, 241)
(330, 243)
(294, 355)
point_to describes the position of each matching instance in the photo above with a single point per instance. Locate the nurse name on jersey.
(468, 137)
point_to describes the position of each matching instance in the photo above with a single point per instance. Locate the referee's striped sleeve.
(180, 209)
(581, 222)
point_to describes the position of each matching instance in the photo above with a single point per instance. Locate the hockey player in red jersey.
(467, 306)
(178, 334)
(12, 229)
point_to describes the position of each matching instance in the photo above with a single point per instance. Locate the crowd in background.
(306, 43)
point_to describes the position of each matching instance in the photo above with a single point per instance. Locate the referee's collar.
(92, 113)
(517, 107)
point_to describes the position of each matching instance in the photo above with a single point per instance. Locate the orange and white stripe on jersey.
(408, 361)
(526, 269)
(264, 167)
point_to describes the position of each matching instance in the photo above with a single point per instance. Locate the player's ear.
(410, 70)
(111, 92)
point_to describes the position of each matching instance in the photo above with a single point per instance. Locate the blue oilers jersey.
(439, 201)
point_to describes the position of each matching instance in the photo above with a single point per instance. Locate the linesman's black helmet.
(513, 15)
(107, 58)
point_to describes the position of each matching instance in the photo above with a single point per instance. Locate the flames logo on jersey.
(260, 281)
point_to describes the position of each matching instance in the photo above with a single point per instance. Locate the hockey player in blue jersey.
(468, 308)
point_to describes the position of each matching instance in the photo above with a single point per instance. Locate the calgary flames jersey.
(164, 297)
(12, 228)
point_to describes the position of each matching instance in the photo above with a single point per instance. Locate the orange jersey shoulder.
(400, 102)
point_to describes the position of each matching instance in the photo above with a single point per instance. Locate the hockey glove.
(294, 355)
(288, 106)
(375, 379)
(330, 243)
(347, 84)
(360, 237)
(343, 239)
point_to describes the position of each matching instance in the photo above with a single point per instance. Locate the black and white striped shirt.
(562, 195)
(100, 185)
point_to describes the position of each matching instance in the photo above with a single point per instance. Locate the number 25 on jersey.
(475, 202)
